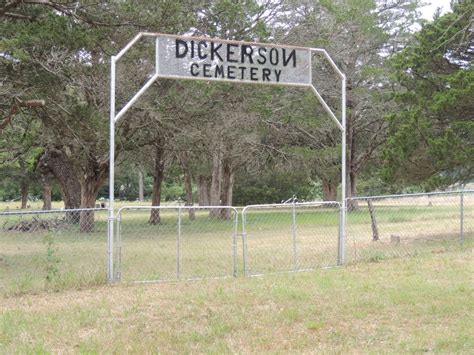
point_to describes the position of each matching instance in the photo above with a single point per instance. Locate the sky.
(428, 10)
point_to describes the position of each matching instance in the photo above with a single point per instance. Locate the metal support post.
(244, 240)
(178, 246)
(293, 232)
(234, 244)
(111, 217)
(341, 255)
(118, 248)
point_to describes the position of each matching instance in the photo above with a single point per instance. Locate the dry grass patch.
(416, 305)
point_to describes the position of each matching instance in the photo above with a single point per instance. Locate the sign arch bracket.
(210, 53)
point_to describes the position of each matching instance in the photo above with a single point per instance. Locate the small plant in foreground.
(52, 259)
(376, 257)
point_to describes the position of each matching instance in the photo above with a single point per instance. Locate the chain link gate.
(290, 237)
(175, 243)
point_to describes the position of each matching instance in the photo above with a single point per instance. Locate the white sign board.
(210, 59)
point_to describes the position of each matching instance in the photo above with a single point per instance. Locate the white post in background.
(341, 255)
(111, 217)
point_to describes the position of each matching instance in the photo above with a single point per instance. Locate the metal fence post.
(293, 232)
(118, 251)
(178, 246)
(234, 243)
(244, 240)
(342, 231)
(462, 218)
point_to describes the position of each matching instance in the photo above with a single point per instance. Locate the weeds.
(376, 256)
(52, 259)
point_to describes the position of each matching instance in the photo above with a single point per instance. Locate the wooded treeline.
(409, 120)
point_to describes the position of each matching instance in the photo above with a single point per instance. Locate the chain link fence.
(401, 225)
(290, 237)
(172, 243)
(52, 249)
(68, 248)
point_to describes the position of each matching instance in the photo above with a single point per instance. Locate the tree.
(359, 35)
(430, 137)
(59, 51)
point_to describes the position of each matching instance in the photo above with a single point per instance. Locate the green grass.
(415, 305)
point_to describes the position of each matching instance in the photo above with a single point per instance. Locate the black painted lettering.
(246, 51)
(274, 56)
(266, 74)
(206, 70)
(215, 51)
(192, 49)
(202, 44)
(242, 72)
(253, 74)
(194, 69)
(261, 53)
(286, 59)
(219, 71)
(181, 53)
(230, 72)
(230, 52)
(277, 74)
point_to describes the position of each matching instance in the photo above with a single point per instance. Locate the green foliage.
(52, 259)
(430, 138)
(273, 188)
(172, 191)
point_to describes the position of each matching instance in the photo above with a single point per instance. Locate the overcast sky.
(428, 10)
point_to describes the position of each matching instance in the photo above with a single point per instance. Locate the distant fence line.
(400, 225)
(69, 247)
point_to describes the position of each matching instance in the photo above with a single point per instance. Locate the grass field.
(419, 304)
(62, 257)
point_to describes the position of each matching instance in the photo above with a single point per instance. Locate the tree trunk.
(329, 189)
(227, 188)
(375, 230)
(54, 162)
(24, 194)
(188, 186)
(88, 199)
(93, 175)
(47, 189)
(353, 204)
(141, 197)
(351, 173)
(158, 175)
(215, 184)
(203, 190)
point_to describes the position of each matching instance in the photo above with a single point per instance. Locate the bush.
(272, 188)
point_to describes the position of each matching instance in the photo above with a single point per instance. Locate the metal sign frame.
(116, 116)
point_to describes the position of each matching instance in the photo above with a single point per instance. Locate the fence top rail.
(175, 208)
(420, 194)
(297, 204)
(56, 211)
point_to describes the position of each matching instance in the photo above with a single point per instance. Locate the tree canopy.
(430, 139)
(410, 107)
